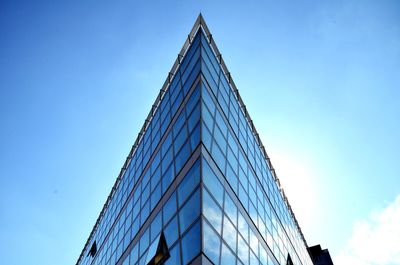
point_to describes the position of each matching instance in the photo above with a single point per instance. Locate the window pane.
(229, 234)
(231, 177)
(230, 209)
(220, 138)
(135, 227)
(253, 241)
(206, 136)
(156, 225)
(179, 122)
(212, 212)
(155, 196)
(169, 208)
(191, 243)
(212, 183)
(145, 212)
(253, 259)
(168, 177)
(190, 211)
(194, 117)
(180, 138)
(189, 182)
(243, 227)
(218, 156)
(167, 159)
(182, 157)
(207, 99)
(144, 241)
(227, 256)
(243, 251)
(263, 256)
(195, 137)
(207, 117)
(171, 231)
(155, 178)
(175, 256)
(194, 98)
(145, 193)
(211, 243)
(134, 254)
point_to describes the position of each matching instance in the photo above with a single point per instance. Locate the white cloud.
(376, 240)
(296, 174)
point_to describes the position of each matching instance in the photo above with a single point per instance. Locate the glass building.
(197, 186)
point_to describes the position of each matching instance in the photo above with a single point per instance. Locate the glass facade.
(198, 176)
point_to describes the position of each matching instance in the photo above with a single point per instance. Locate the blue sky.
(320, 80)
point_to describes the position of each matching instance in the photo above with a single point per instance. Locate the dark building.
(320, 256)
(197, 186)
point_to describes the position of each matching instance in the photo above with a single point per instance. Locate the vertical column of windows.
(227, 237)
(216, 139)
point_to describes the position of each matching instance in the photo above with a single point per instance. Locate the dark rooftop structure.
(320, 256)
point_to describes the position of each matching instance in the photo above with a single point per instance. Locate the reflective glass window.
(194, 98)
(145, 193)
(155, 227)
(229, 234)
(168, 177)
(253, 242)
(207, 99)
(263, 256)
(212, 183)
(232, 159)
(243, 197)
(206, 137)
(195, 137)
(193, 48)
(207, 117)
(167, 159)
(218, 156)
(211, 243)
(177, 103)
(171, 231)
(243, 250)
(155, 196)
(135, 226)
(191, 243)
(190, 66)
(144, 242)
(180, 139)
(230, 209)
(211, 211)
(193, 75)
(189, 182)
(155, 178)
(134, 254)
(253, 259)
(190, 211)
(194, 117)
(231, 177)
(221, 123)
(175, 256)
(227, 256)
(179, 123)
(166, 144)
(182, 157)
(145, 212)
(219, 138)
(169, 208)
